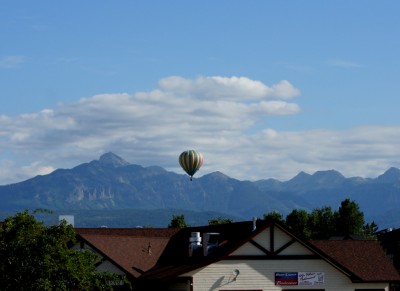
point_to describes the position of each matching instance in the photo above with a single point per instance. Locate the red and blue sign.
(286, 278)
(299, 278)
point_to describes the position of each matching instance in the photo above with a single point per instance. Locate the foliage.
(126, 218)
(323, 223)
(350, 219)
(36, 257)
(219, 220)
(297, 221)
(370, 230)
(178, 221)
(274, 215)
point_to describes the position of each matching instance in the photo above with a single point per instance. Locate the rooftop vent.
(194, 243)
(210, 242)
(254, 223)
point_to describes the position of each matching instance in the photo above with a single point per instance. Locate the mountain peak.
(300, 178)
(112, 159)
(329, 174)
(392, 175)
(318, 180)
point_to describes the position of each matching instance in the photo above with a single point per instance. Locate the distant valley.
(110, 191)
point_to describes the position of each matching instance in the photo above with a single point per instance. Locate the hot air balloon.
(191, 162)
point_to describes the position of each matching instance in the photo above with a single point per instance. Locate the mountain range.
(111, 184)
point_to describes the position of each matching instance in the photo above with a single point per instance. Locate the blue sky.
(265, 89)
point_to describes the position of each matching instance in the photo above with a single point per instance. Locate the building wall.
(105, 265)
(260, 275)
(256, 272)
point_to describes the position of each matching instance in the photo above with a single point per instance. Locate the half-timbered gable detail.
(271, 243)
(240, 256)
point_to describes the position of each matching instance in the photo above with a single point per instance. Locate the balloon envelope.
(191, 161)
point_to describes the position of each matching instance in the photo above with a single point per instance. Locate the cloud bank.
(211, 114)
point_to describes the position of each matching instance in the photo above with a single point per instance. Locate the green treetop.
(37, 257)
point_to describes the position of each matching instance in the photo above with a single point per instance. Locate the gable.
(103, 264)
(272, 241)
(134, 251)
(259, 251)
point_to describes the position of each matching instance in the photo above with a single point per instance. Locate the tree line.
(39, 257)
(324, 223)
(321, 223)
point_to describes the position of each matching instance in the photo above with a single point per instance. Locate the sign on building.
(299, 278)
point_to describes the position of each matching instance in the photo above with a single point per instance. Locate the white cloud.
(211, 114)
(284, 90)
(233, 88)
(9, 62)
(363, 151)
(11, 172)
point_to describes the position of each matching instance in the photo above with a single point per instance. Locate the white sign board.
(310, 278)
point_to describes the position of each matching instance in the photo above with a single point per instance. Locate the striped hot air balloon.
(191, 162)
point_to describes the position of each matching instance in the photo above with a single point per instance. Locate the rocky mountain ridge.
(111, 183)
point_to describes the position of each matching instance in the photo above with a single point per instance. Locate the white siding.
(260, 275)
(281, 238)
(248, 250)
(263, 238)
(296, 249)
(107, 266)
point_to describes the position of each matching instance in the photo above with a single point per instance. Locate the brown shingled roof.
(364, 259)
(176, 261)
(162, 254)
(134, 250)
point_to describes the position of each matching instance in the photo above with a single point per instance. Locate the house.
(251, 255)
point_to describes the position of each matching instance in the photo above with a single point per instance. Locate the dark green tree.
(219, 220)
(297, 221)
(369, 230)
(349, 219)
(274, 215)
(321, 223)
(37, 257)
(178, 221)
